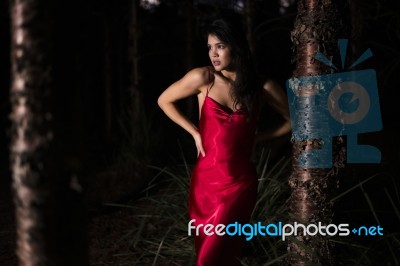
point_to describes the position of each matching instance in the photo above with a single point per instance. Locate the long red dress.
(224, 182)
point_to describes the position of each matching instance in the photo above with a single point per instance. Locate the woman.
(224, 182)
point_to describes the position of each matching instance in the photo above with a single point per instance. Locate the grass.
(272, 206)
(369, 250)
(160, 235)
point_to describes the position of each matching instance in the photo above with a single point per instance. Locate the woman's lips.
(216, 63)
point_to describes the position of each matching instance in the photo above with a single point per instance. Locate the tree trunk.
(357, 25)
(50, 217)
(249, 14)
(191, 102)
(31, 47)
(107, 70)
(136, 94)
(315, 30)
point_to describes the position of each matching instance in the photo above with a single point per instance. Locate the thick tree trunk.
(31, 133)
(315, 30)
(50, 218)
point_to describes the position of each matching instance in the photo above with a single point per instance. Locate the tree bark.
(49, 209)
(31, 49)
(315, 30)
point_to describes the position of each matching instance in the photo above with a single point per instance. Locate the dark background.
(93, 75)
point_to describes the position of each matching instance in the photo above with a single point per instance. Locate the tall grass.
(373, 250)
(140, 140)
(160, 237)
(272, 206)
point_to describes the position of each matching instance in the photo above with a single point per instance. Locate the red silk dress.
(223, 183)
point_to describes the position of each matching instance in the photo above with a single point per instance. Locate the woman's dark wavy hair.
(246, 88)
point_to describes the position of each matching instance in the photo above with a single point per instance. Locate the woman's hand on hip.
(199, 144)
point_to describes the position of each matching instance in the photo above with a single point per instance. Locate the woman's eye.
(221, 46)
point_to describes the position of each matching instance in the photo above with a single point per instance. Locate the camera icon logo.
(354, 109)
(344, 103)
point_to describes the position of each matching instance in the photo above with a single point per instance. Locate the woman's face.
(219, 53)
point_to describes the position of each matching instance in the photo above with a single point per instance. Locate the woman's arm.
(276, 98)
(190, 84)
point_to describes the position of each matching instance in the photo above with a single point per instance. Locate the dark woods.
(111, 65)
(83, 87)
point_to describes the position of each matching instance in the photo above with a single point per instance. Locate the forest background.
(110, 61)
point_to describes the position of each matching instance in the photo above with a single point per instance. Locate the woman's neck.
(229, 75)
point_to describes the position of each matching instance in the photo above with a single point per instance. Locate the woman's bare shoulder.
(196, 79)
(199, 74)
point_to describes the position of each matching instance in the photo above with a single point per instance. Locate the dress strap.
(210, 82)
